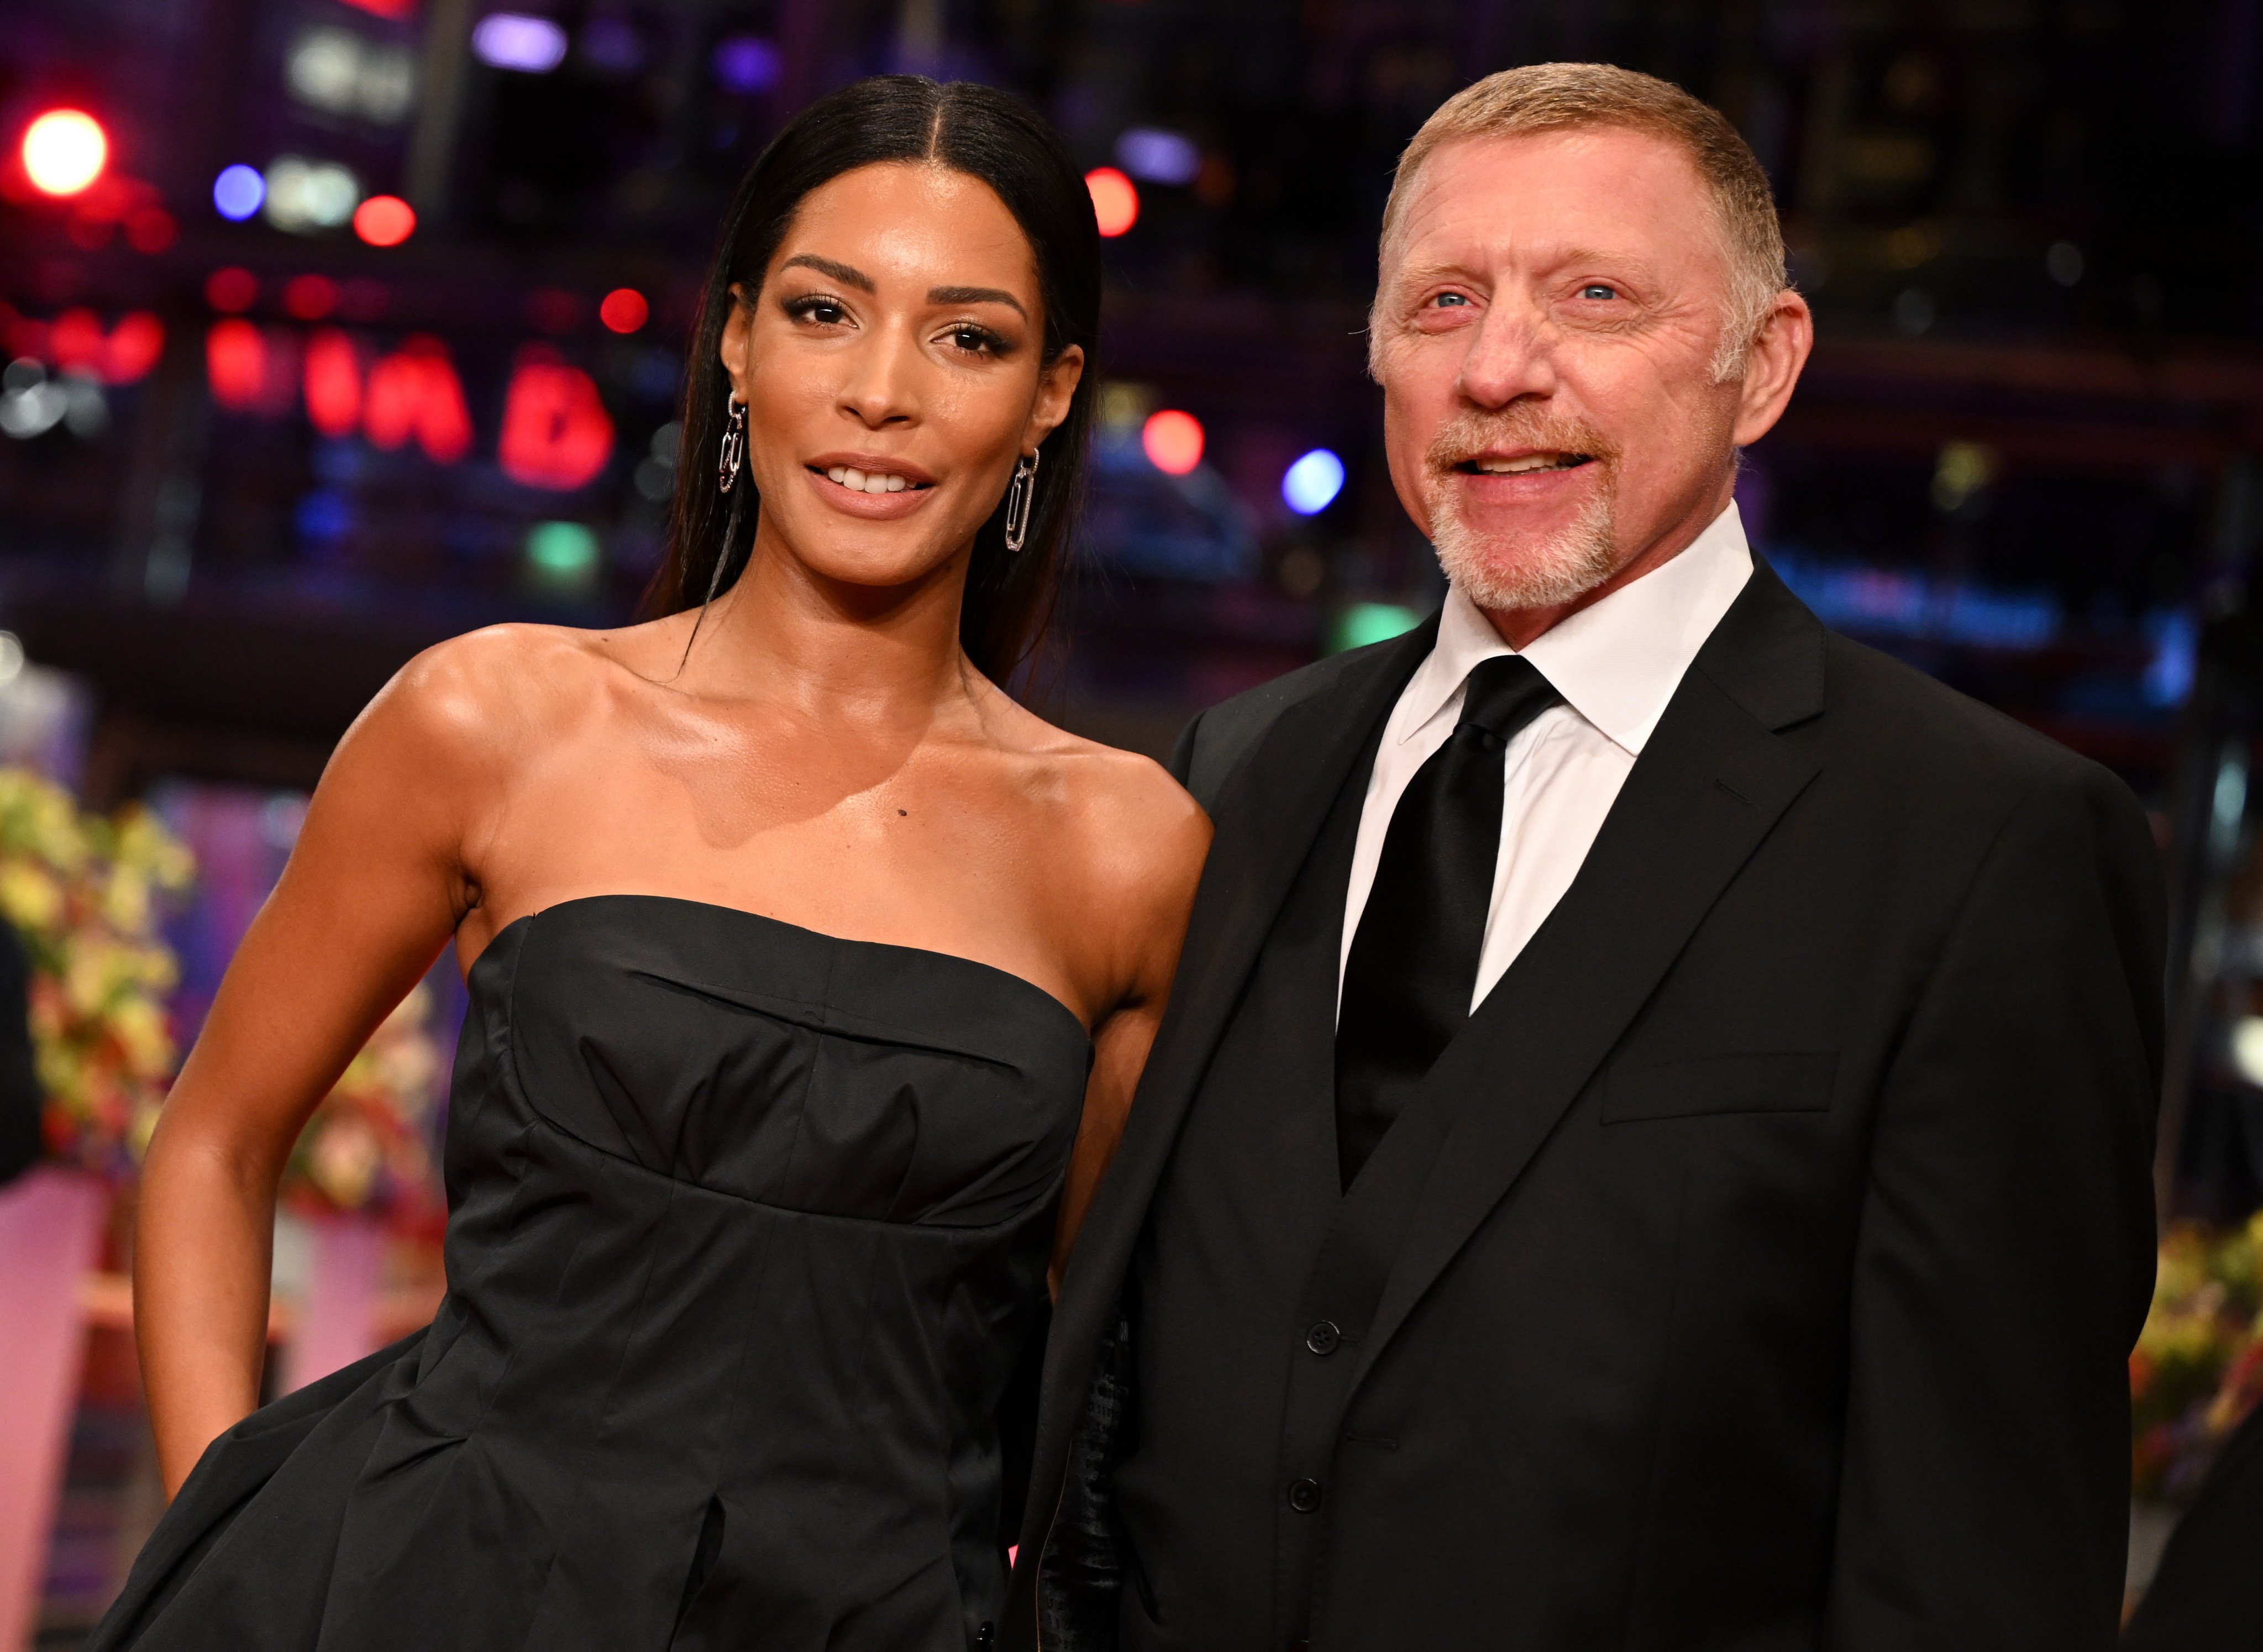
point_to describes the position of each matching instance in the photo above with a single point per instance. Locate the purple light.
(1156, 156)
(746, 64)
(512, 39)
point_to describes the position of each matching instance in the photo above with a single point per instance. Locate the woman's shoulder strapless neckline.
(719, 916)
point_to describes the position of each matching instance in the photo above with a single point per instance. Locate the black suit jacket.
(1758, 1268)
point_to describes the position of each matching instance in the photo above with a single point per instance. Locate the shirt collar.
(1616, 662)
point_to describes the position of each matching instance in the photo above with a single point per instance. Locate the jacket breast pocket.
(1769, 1081)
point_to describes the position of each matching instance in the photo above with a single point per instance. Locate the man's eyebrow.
(976, 295)
(847, 274)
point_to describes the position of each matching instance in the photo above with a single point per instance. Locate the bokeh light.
(1173, 441)
(624, 309)
(512, 39)
(384, 220)
(562, 554)
(231, 290)
(1311, 485)
(238, 192)
(746, 64)
(308, 298)
(64, 151)
(1115, 201)
(1157, 156)
(305, 197)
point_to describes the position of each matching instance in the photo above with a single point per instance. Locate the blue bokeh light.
(1311, 485)
(1157, 156)
(747, 64)
(238, 191)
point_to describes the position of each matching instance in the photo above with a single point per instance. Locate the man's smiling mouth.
(1489, 467)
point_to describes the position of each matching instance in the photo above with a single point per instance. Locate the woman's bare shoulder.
(490, 689)
(1138, 837)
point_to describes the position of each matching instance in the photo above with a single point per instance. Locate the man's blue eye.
(1597, 290)
(1453, 297)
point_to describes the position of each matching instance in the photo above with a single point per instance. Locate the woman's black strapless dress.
(748, 1237)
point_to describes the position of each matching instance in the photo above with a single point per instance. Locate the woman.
(797, 951)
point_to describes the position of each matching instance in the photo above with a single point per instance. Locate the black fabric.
(1414, 959)
(21, 1142)
(1757, 1267)
(748, 1237)
(2208, 1594)
(1206, 1273)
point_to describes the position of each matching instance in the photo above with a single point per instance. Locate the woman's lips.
(870, 507)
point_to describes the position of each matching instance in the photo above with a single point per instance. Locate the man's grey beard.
(1530, 574)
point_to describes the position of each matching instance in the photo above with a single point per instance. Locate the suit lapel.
(1710, 785)
(1269, 815)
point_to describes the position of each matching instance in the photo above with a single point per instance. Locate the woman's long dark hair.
(969, 128)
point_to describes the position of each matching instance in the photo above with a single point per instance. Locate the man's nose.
(1511, 354)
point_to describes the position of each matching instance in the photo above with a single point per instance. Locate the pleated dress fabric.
(748, 1234)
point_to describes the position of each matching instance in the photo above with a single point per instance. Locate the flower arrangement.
(81, 892)
(366, 1150)
(2198, 1366)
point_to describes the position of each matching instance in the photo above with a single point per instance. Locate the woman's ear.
(1056, 388)
(737, 345)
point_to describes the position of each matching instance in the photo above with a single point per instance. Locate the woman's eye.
(975, 340)
(824, 311)
(1599, 291)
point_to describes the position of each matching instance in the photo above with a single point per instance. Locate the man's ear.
(1772, 370)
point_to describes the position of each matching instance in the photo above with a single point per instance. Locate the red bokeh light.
(1173, 441)
(415, 392)
(231, 290)
(308, 298)
(551, 310)
(1115, 201)
(384, 220)
(333, 383)
(132, 347)
(556, 433)
(150, 230)
(236, 364)
(624, 310)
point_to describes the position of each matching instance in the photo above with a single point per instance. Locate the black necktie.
(1414, 960)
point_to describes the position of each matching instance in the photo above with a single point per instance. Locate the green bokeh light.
(562, 554)
(1366, 622)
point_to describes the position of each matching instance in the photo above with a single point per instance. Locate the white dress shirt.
(1617, 663)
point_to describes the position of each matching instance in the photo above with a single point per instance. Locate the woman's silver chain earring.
(1021, 496)
(734, 447)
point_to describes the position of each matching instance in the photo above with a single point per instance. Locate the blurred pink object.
(50, 1226)
(336, 1323)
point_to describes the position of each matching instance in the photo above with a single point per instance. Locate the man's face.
(1546, 334)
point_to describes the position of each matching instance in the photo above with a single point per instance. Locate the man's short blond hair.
(1568, 97)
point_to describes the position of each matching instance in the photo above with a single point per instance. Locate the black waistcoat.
(1218, 1284)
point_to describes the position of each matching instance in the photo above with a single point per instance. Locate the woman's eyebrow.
(847, 274)
(975, 295)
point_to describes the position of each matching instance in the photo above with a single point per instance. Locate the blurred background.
(334, 328)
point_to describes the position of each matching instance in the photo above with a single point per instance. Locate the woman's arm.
(1154, 860)
(372, 893)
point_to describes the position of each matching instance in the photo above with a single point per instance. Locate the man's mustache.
(1466, 435)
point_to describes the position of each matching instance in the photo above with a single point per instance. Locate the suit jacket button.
(1323, 1338)
(1305, 1495)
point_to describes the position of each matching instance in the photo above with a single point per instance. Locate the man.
(1649, 1147)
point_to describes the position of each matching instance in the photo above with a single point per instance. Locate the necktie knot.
(1505, 693)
